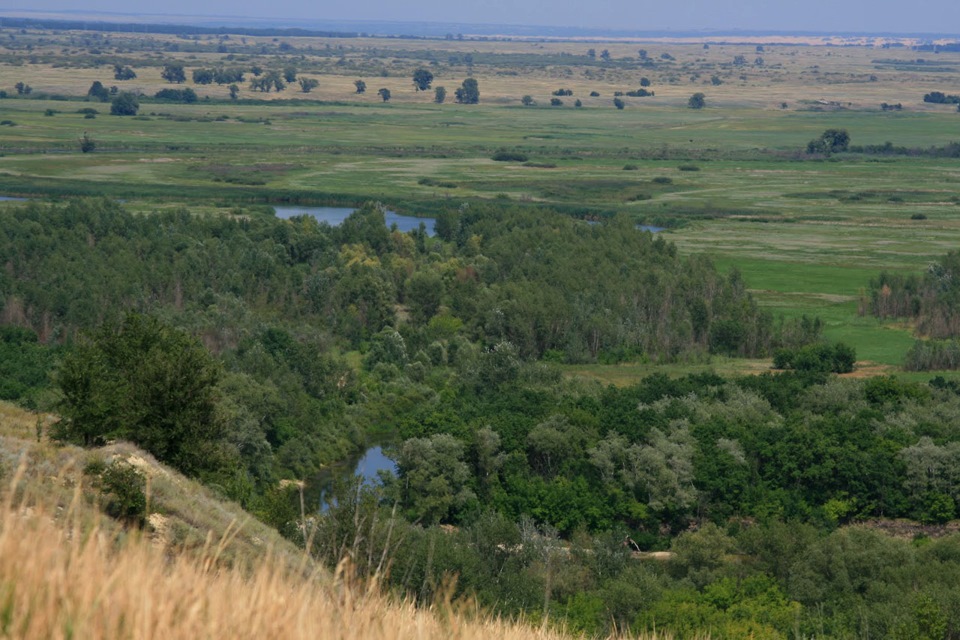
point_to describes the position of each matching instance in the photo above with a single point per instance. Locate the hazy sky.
(928, 16)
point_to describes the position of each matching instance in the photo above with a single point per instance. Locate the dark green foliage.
(697, 101)
(87, 144)
(25, 365)
(125, 104)
(360, 85)
(509, 156)
(827, 358)
(121, 72)
(174, 73)
(308, 84)
(939, 97)
(185, 96)
(618, 103)
(422, 79)
(556, 102)
(122, 487)
(98, 91)
(439, 95)
(830, 141)
(384, 94)
(468, 92)
(932, 300)
(145, 382)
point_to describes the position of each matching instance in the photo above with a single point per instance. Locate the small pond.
(335, 215)
(367, 465)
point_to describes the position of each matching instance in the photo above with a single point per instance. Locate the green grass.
(807, 235)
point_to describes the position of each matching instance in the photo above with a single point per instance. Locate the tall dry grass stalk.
(60, 578)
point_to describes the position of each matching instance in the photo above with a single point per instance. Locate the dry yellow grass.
(60, 579)
(68, 572)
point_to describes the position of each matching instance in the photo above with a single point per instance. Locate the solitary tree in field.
(439, 94)
(360, 85)
(125, 104)
(697, 101)
(87, 144)
(384, 94)
(174, 73)
(23, 88)
(469, 92)
(121, 72)
(830, 141)
(644, 81)
(308, 84)
(98, 91)
(290, 74)
(618, 103)
(422, 79)
(527, 101)
(234, 91)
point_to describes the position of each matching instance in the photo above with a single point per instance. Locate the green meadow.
(729, 180)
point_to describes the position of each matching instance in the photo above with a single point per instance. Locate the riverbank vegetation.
(761, 465)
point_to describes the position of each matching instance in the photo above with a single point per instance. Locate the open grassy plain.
(730, 180)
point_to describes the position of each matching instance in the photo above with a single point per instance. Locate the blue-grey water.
(336, 215)
(367, 466)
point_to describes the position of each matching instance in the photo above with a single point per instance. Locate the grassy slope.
(68, 572)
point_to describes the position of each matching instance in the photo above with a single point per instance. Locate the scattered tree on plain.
(125, 104)
(384, 94)
(439, 94)
(469, 92)
(308, 84)
(360, 85)
(697, 101)
(422, 79)
(830, 141)
(174, 73)
(121, 72)
(98, 91)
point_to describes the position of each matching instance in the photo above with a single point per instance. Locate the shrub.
(509, 156)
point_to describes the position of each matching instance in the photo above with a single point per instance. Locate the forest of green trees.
(243, 349)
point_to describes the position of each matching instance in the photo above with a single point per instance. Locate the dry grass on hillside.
(68, 572)
(60, 580)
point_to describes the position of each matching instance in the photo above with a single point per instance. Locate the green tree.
(125, 104)
(308, 84)
(830, 141)
(469, 92)
(174, 73)
(433, 477)
(439, 95)
(290, 74)
(123, 73)
(146, 382)
(98, 91)
(697, 101)
(87, 144)
(618, 103)
(360, 85)
(203, 76)
(22, 88)
(528, 101)
(422, 79)
(384, 94)
(234, 91)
